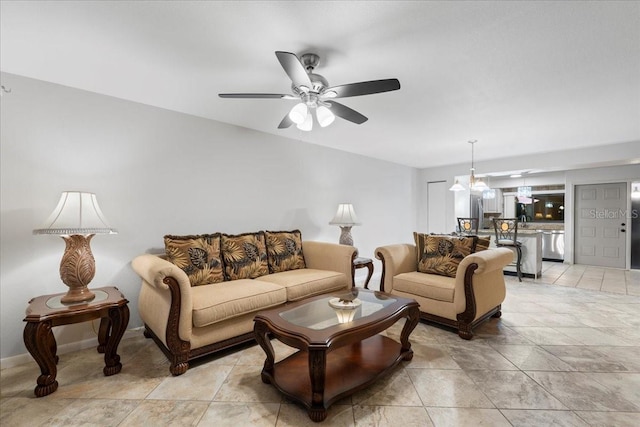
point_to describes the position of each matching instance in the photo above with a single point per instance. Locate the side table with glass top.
(46, 311)
(361, 262)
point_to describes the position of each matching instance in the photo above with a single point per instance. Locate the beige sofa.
(461, 302)
(188, 321)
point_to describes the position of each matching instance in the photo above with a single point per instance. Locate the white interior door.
(601, 224)
(436, 216)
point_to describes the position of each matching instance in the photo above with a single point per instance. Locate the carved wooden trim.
(178, 348)
(381, 258)
(180, 363)
(469, 313)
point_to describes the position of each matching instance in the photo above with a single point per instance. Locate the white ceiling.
(520, 77)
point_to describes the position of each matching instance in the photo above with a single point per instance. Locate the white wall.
(157, 172)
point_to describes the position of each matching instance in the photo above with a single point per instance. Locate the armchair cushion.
(425, 285)
(441, 254)
(244, 255)
(198, 256)
(284, 250)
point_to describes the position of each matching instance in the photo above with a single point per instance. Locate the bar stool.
(468, 226)
(507, 237)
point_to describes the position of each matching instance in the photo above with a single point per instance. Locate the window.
(541, 207)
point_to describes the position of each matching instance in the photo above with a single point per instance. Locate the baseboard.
(10, 362)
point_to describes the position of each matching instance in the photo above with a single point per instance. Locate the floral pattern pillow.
(244, 256)
(482, 244)
(284, 250)
(198, 256)
(442, 254)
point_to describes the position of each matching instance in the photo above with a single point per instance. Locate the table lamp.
(76, 219)
(345, 218)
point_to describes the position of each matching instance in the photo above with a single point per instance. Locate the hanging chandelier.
(475, 184)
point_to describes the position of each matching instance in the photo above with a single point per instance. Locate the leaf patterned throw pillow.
(244, 256)
(442, 254)
(198, 256)
(284, 250)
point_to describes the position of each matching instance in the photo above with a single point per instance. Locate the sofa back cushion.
(198, 256)
(244, 255)
(441, 254)
(284, 250)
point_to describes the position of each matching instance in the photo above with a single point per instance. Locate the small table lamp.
(345, 218)
(76, 219)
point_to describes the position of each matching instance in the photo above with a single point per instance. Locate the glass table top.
(54, 302)
(318, 314)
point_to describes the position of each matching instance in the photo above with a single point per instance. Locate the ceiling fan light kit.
(299, 113)
(315, 95)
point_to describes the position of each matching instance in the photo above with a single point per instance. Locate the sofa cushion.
(198, 256)
(307, 282)
(220, 301)
(284, 250)
(432, 286)
(441, 254)
(244, 255)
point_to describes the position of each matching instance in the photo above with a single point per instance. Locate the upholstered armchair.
(462, 302)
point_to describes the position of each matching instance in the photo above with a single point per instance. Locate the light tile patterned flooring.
(562, 354)
(593, 278)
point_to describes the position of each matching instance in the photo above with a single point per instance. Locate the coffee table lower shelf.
(348, 369)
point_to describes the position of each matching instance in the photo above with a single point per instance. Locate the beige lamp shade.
(76, 218)
(76, 213)
(345, 215)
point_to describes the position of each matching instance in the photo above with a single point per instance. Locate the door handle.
(623, 231)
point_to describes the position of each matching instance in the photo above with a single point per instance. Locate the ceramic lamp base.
(345, 235)
(77, 268)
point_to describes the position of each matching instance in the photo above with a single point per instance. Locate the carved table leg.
(103, 334)
(369, 274)
(413, 317)
(317, 371)
(261, 332)
(39, 340)
(118, 320)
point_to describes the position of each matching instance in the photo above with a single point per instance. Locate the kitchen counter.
(531, 239)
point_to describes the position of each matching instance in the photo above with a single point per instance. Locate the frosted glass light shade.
(298, 113)
(456, 187)
(307, 124)
(76, 213)
(325, 116)
(479, 185)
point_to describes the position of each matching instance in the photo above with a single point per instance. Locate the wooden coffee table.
(335, 359)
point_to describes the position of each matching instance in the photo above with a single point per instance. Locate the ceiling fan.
(315, 95)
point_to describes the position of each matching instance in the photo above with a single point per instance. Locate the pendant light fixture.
(475, 184)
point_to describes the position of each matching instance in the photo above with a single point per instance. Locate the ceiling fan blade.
(346, 113)
(364, 88)
(294, 69)
(286, 122)
(257, 95)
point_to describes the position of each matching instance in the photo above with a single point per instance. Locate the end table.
(46, 311)
(363, 263)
